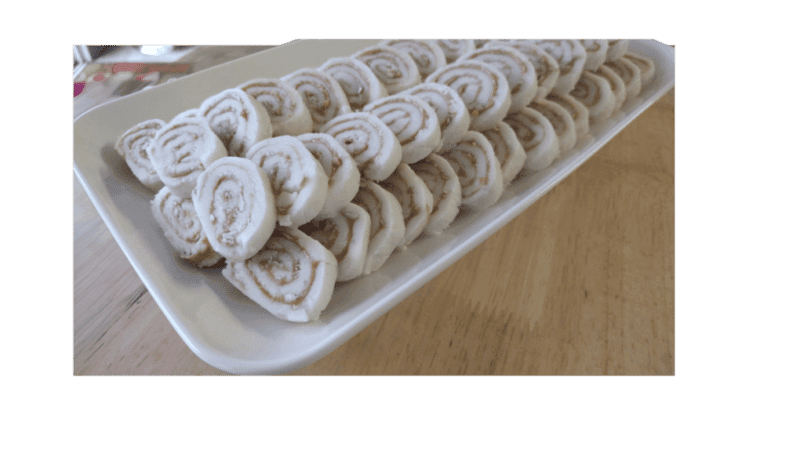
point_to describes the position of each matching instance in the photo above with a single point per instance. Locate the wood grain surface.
(581, 283)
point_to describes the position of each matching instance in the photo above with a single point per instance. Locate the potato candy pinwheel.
(515, 66)
(440, 178)
(571, 57)
(545, 65)
(455, 48)
(238, 120)
(537, 136)
(631, 75)
(413, 121)
(387, 227)
(178, 220)
(288, 113)
(508, 150)
(346, 235)
(415, 198)
(321, 93)
(340, 168)
(297, 179)
(133, 145)
(576, 110)
(594, 92)
(396, 69)
(357, 80)
(562, 123)
(596, 52)
(428, 56)
(292, 276)
(236, 207)
(478, 171)
(369, 141)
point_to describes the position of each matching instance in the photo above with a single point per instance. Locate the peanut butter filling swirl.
(387, 227)
(133, 146)
(508, 150)
(596, 52)
(235, 206)
(298, 180)
(450, 110)
(321, 94)
(370, 142)
(356, 79)
(181, 226)
(562, 123)
(646, 66)
(237, 119)
(571, 58)
(630, 74)
(428, 56)
(483, 89)
(455, 48)
(595, 93)
(346, 235)
(288, 113)
(616, 84)
(537, 136)
(340, 168)
(292, 276)
(413, 122)
(545, 66)
(577, 111)
(517, 69)
(478, 171)
(415, 199)
(182, 150)
(394, 68)
(442, 182)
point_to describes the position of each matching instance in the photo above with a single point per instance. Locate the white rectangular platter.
(219, 324)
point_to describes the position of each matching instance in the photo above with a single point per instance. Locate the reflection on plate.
(220, 324)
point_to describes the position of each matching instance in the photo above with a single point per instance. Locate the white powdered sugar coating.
(288, 114)
(323, 96)
(483, 89)
(396, 69)
(616, 83)
(387, 227)
(292, 276)
(298, 180)
(545, 65)
(182, 150)
(346, 235)
(616, 49)
(562, 123)
(238, 120)
(415, 198)
(339, 166)
(236, 207)
(357, 80)
(576, 110)
(413, 121)
(428, 56)
(478, 171)
(455, 48)
(630, 74)
(369, 141)
(646, 66)
(537, 136)
(442, 181)
(450, 110)
(133, 146)
(516, 67)
(595, 93)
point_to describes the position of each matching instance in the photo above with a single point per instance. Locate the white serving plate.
(217, 322)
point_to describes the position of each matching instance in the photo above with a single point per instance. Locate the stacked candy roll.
(315, 178)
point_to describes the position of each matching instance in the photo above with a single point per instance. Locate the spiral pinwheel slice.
(483, 89)
(562, 123)
(630, 74)
(478, 171)
(297, 179)
(508, 150)
(544, 64)
(571, 58)
(576, 110)
(595, 93)
(339, 166)
(646, 66)
(288, 113)
(369, 141)
(236, 207)
(396, 69)
(537, 136)
(450, 110)
(413, 121)
(181, 226)
(616, 83)
(133, 145)
(596, 52)
(387, 227)
(455, 48)
(182, 150)
(194, 112)
(238, 120)
(616, 49)
(428, 56)
(356, 79)
(415, 199)
(515, 66)
(321, 93)
(292, 276)
(346, 235)
(440, 178)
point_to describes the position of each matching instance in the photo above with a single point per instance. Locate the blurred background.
(102, 73)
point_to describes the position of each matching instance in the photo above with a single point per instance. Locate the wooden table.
(581, 283)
